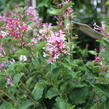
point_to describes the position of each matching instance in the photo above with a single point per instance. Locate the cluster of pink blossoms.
(55, 46)
(97, 60)
(33, 42)
(44, 31)
(33, 15)
(16, 28)
(102, 29)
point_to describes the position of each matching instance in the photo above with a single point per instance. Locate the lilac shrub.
(42, 65)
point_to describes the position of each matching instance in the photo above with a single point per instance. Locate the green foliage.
(38, 90)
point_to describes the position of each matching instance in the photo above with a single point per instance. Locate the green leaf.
(17, 78)
(37, 92)
(107, 2)
(2, 106)
(93, 52)
(25, 105)
(79, 95)
(28, 82)
(17, 66)
(52, 92)
(70, 107)
(44, 3)
(53, 11)
(23, 51)
(39, 46)
(94, 106)
(7, 105)
(60, 103)
(102, 89)
(10, 106)
(107, 77)
(67, 5)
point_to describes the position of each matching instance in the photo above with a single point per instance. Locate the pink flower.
(17, 29)
(97, 60)
(33, 15)
(24, 27)
(3, 34)
(31, 11)
(9, 80)
(33, 42)
(44, 31)
(69, 11)
(2, 65)
(106, 34)
(56, 45)
(3, 18)
(96, 27)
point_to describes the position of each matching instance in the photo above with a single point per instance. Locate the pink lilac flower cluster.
(69, 10)
(96, 27)
(33, 15)
(66, 2)
(44, 31)
(31, 11)
(33, 42)
(101, 29)
(55, 46)
(97, 60)
(16, 29)
(66, 14)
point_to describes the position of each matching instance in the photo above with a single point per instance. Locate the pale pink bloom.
(31, 11)
(34, 40)
(33, 15)
(9, 80)
(42, 31)
(29, 27)
(97, 60)
(106, 34)
(24, 27)
(1, 55)
(45, 30)
(3, 18)
(96, 27)
(3, 34)
(2, 65)
(55, 46)
(16, 29)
